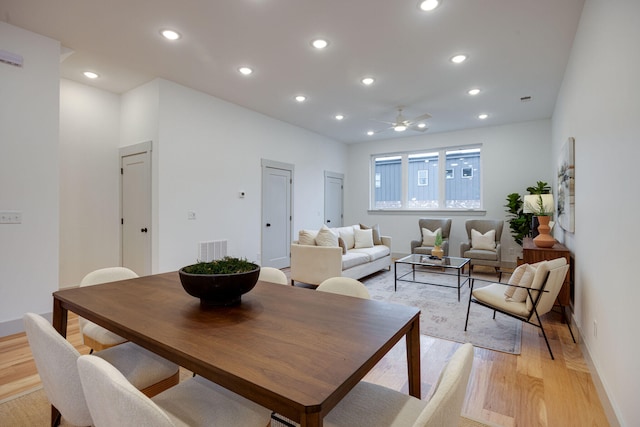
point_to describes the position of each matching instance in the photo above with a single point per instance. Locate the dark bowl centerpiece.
(221, 282)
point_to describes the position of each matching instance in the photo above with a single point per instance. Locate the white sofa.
(312, 263)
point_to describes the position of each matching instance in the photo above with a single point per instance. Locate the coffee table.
(424, 263)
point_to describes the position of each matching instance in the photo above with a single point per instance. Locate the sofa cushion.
(364, 238)
(515, 279)
(486, 241)
(377, 237)
(307, 237)
(353, 258)
(375, 252)
(520, 294)
(347, 235)
(429, 237)
(326, 237)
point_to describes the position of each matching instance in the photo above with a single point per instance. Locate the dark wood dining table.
(295, 351)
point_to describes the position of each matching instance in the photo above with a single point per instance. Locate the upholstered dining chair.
(373, 405)
(273, 275)
(114, 402)
(344, 286)
(483, 244)
(93, 336)
(425, 244)
(539, 296)
(56, 360)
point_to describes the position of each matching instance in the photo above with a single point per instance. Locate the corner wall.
(29, 105)
(598, 105)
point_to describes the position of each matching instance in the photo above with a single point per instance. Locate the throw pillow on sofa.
(307, 237)
(326, 237)
(377, 239)
(347, 235)
(364, 238)
(429, 237)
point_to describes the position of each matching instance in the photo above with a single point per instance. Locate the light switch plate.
(10, 217)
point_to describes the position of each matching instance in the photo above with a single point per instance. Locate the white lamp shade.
(532, 203)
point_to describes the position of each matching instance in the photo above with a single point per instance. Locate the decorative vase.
(437, 251)
(544, 239)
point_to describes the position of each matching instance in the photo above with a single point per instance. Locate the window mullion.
(405, 180)
(442, 171)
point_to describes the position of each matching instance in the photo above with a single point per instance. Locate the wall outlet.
(191, 215)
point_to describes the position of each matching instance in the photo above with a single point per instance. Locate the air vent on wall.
(11, 58)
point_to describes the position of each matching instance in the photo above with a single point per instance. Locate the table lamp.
(541, 205)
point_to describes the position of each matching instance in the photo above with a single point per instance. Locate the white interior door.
(276, 214)
(333, 196)
(136, 211)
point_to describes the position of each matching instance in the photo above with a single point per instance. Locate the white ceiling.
(516, 48)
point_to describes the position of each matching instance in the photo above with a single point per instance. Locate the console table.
(532, 254)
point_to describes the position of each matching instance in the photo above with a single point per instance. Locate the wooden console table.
(532, 254)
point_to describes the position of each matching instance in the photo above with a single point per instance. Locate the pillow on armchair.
(486, 241)
(429, 237)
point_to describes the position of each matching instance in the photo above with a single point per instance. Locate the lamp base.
(544, 239)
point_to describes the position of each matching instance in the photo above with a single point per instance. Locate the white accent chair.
(56, 361)
(273, 275)
(541, 296)
(344, 286)
(114, 402)
(374, 405)
(93, 336)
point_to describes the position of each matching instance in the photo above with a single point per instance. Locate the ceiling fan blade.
(421, 118)
(382, 121)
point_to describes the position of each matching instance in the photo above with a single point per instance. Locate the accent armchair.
(483, 244)
(425, 244)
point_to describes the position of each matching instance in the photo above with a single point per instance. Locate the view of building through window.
(444, 179)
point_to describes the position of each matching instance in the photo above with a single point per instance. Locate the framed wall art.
(566, 187)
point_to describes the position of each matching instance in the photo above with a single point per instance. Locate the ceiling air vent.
(11, 58)
(525, 99)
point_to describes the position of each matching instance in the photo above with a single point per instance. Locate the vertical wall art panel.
(566, 187)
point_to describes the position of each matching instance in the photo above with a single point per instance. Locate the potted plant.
(221, 282)
(520, 222)
(437, 246)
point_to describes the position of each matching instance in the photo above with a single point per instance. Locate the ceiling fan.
(401, 123)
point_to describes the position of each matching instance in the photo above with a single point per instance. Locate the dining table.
(291, 349)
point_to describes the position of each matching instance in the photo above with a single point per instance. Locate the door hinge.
(121, 171)
(121, 221)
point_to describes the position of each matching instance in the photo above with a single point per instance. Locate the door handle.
(328, 221)
(143, 230)
(268, 225)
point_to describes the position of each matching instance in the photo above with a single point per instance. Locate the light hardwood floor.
(508, 390)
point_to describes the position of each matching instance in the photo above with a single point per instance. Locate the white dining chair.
(374, 405)
(273, 275)
(93, 336)
(56, 361)
(114, 402)
(344, 286)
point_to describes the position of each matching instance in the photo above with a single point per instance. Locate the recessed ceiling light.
(370, 132)
(368, 81)
(474, 91)
(422, 125)
(428, 5)
(245, 70)
(482, 116)
(339, 117)
(319, 43)
(170, 34)
(91, 75)
(458, 59)
(301, 98)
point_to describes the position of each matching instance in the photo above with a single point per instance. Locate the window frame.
(442, 177)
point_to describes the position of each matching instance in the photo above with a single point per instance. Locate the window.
(427, 180)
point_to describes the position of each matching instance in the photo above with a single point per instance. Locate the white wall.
(514, 157)
(207, 150)
(89, 181)
(598, 105)
(29, 102)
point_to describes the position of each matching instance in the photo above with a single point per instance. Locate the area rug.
(33, 410)
(442, 316)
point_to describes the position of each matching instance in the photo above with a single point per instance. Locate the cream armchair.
(444, 224)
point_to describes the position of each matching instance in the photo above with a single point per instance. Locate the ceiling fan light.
(399, 128)
(422, 125)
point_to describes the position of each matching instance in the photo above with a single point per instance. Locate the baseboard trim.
(16, 326)
(609, 410)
